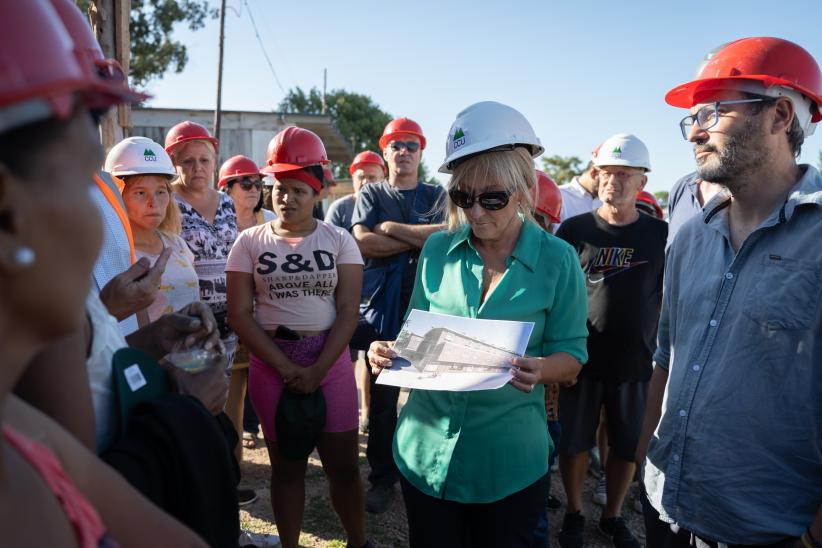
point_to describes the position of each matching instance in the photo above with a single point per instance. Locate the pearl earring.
(24, 256)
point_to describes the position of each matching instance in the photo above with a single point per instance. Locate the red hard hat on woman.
(107, 74)
(768, 61)
(293, 149)
(547, 197)
(185, 132)
(367, 157)
(236, 166)
(646, 202)
(401, 126)
(39, 73)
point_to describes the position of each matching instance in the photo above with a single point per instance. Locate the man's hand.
(379, 355)
(192, 324)
(210, 386)
(133, 290)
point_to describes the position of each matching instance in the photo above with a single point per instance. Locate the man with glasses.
(735, 452)
(391, 221)
(622, 254)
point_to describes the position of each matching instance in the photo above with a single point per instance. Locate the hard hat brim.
(479, 148)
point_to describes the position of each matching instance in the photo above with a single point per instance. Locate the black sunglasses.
(246, 183)
(410, 145)
(491, 201)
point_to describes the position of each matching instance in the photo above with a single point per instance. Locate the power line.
(262, 47)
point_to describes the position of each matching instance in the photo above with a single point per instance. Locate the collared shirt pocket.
(785, 295)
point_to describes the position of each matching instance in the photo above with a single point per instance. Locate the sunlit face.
(195, 162)
(55, 216)
(489, 224)
(367, 174)
(400, 160)
(293, 200)
(245, 191)
(146, 198)
(618, 185)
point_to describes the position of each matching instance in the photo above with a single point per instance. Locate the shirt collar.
(525, 251)
(808, 190)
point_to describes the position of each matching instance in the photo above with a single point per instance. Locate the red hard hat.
(367, 157)
(236, 166)
(108, 75)
(294, 148)
(400, 126)
(328, 178)
(769, 61)
(185, 132)
(39, 74)
(646, 202)
(547, 197)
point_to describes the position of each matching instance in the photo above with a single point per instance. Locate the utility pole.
(218, 111)
(325, 83)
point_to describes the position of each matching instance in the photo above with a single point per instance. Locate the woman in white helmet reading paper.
(474, 465)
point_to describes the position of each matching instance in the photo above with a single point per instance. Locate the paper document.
(441, 352)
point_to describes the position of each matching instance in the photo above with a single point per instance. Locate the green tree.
(153, 50)
(562, 168)
(662, 198)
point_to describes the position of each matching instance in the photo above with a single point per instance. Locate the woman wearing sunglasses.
(474, 465)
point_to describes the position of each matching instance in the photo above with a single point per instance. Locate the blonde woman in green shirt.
(474, 465)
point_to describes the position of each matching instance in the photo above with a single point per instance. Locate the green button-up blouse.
(479, 447)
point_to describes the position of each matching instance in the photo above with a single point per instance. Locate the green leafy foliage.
(562, 168)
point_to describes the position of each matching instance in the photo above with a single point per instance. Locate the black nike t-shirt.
(623, 268)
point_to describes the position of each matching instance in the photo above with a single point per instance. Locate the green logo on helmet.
(617, 151)
(149, 156)
(459, 138)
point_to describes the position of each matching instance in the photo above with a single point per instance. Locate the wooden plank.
(122, 52)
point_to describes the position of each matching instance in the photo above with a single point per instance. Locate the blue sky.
(579, 70)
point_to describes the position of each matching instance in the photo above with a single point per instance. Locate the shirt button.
(713, 323)
(682, 413)
(676, 457)
(729, 276)
(695, 367)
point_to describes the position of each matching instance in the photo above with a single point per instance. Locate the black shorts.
(579, 411)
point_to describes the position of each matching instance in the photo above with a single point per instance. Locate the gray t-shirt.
(340, 212)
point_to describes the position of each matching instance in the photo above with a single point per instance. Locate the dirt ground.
(321, 527)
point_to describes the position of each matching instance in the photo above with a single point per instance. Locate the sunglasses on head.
(491, 201)
(247, 183)
(411, 146)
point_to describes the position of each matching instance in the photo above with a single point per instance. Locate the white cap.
(139, 156)
(484, 126)
(623, 149)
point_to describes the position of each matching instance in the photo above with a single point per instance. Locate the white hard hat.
(623, 149)
(139, 156)
(485, 126)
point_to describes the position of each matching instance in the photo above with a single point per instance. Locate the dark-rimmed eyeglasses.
(708, 116)
(491, 201)
(410, 146)
(247, 183)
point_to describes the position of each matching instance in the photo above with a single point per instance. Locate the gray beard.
(740, 157)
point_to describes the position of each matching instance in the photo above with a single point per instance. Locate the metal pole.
(218, 111)
(325, 82)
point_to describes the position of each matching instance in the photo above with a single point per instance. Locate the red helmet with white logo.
(547, 197)
(236, 166)
(367, 157)
(401, 126)
(185, 132)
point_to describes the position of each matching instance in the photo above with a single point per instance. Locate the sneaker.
(600, 495)
(256, 540)
(573, 525)
(618, 533)
(553, 503)
(246, 496)
(379, 498)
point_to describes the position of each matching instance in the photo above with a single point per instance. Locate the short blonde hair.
(172, 223)
(512, 169)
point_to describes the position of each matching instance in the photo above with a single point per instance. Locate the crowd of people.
(152, 304)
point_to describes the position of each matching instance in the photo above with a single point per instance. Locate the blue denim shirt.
(737, 455)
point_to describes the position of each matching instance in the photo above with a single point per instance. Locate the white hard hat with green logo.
(623, 149)
(486, 126)
(139, 156)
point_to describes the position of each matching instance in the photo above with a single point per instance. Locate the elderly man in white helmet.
(735, 403)
(623, 255)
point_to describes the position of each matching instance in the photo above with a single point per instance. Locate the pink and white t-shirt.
(294, 278)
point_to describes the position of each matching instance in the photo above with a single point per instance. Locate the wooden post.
(218, 112)
(110, 21)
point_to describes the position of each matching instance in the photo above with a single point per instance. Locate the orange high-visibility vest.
(116, 204)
